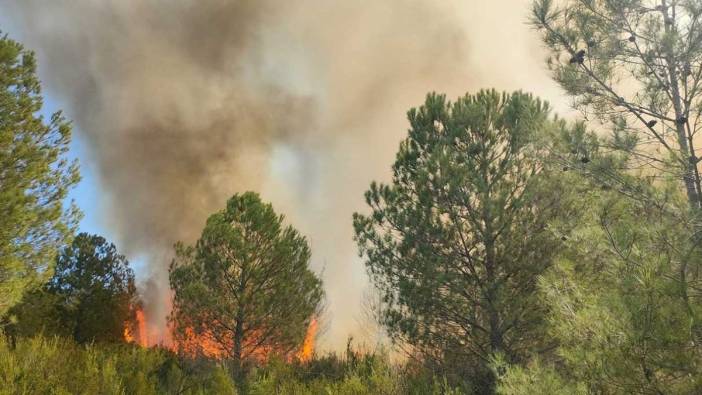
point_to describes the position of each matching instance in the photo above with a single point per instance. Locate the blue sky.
(86, 194)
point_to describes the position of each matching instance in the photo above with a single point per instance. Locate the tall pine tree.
(456, 241)
(245, 289)
(35, 177)
(634, 66)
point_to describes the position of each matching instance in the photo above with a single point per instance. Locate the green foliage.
(35, 177)
(630, 321)
(59, 366)
(37, 313)
(96, 290)
(354, 374)
(246, 284)
(91, 296)
(535, 379)
(623, 298)
(456, 241)
(635, 65)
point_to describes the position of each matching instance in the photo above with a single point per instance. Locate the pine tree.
(456, 241)
(622, 306)
(634, 66)
(624, 296)
(245, 287)
(94, 291)
(35, 177)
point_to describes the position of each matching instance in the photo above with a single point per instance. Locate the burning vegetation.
(307, 350)
(135, 332)
(244, 292)
(193, 344)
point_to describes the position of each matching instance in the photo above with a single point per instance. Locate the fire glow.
(307, 350)
(193, 344)
(138, 333)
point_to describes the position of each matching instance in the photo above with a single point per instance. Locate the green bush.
(352, 374)
(534, 379)
(43, 365)
(59, 366)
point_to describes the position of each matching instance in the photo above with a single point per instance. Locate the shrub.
(59, 366)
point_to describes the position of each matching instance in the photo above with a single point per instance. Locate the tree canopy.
(623, 296)
(35, 177)
(95, 290)
(91, 297)
(456, 241)
(634, 66)
(245, 288)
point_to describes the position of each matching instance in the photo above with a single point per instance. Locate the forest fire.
(193, 344)
(307, 350)
(137, 333)
(128, 336)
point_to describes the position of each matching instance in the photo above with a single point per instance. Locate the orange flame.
(204, 344)
(137, 333)
(307, 350)
(141, 325)
(201, 344)
(128, 337)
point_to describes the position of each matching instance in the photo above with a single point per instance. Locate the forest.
(510, 251)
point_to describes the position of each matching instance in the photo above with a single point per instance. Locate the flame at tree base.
(193, 344)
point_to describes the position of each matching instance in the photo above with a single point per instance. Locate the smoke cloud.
(183, 103)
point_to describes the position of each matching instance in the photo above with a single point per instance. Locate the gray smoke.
(183, 103)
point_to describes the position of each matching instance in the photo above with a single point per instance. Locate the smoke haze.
(183, 103)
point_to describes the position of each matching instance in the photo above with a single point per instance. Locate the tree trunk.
(239, 373)
(689, 159)
(496, 339)
(491, 294)
(237, 352)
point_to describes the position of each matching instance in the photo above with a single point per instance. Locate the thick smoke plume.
(183, 103)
